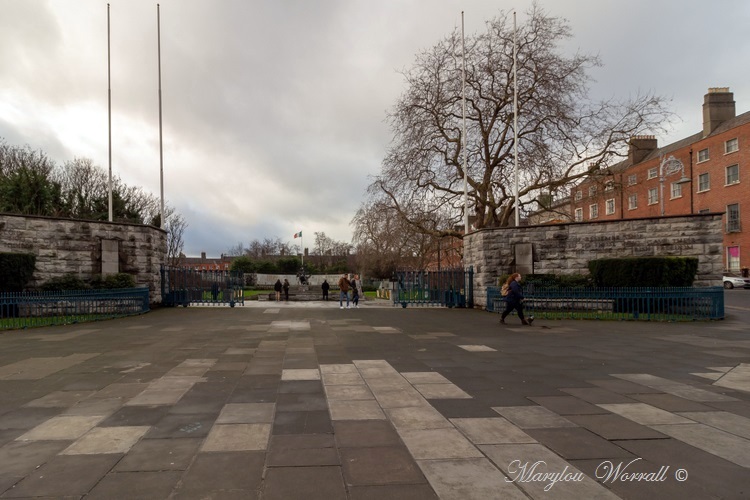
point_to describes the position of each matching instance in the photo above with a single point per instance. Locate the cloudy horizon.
(274, 113)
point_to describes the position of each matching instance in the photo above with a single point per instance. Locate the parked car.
(735, 282)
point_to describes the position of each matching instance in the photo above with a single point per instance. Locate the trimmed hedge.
(552, 280)
(644, 271)
(73, 282)
(16, 269)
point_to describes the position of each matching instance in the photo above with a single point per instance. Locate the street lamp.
(670, 165)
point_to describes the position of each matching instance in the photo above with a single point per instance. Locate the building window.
(733, 218)
(653, 172)
(653, 196)
(610, 206)
(733, 259)
(704, 182)
(733, 174)
(632, 202)
(593, 211)
(632, 179)
(703, 155)
(579, 195)
(676, 190)
(579, 215)
(592, 191)
(609, 186)
(731, 146)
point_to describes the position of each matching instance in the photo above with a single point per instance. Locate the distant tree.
(288, 265)
(244, 264)
(563, 135)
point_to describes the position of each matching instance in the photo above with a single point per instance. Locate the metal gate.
(182, 287)
(447, 287)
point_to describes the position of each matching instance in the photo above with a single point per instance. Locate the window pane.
(703, 155)
(733, 174)
(704, 182)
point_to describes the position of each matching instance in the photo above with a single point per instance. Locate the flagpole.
(515, 123)
(463, 98)
(302, 242)
(109, 116)
(161, 149)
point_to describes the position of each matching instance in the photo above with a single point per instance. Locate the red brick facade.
(717, 162)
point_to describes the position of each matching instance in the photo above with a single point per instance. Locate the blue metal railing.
(182, 287)
(635, 303)
(446, 287)
(29, 309)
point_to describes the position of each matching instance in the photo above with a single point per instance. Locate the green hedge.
(16, 269)
(552, 280)
(644, 271)
(73, 282)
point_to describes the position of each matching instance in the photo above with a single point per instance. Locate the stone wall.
(567, 248)
(86, 248)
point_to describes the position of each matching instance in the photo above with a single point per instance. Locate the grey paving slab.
(577, 443)
(64, 475)
(469, 479)
(365, 433)
(355, 410)
(725, 421)
(19, 458)
(392, 492)
(135, 486)
(612, 427)
(441, 391)
(379, 466)
(247, 413)
(438, 444)
(105, 440)
(491, 431)
(533, 417)
(404, 398)
(712, 440)
(314, 483)
(670, 402)
(736, 378)
(417, 417)
(61, 428)
(348, 392)
(223, 475)
(532, 467)
(300, 374)
(597, 395)
(425, 378)
(645, 414)
(160, 455)
(567, 405)
(237, 437)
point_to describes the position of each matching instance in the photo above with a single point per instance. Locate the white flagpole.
(109, 115)
(161, 150)
(302, 242)
(463, 98)
(515, 122)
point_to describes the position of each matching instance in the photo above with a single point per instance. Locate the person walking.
(325, 286)
(277, 289)
(286, 290)
(355, 290)
(514, 299)
(344, 287)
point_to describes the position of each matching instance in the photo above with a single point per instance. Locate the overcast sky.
(274, 110)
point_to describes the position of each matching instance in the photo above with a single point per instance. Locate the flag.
(298, 235)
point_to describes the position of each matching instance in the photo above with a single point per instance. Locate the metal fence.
(182, 287)
(29, 309)
(446, 287)
(644, 304)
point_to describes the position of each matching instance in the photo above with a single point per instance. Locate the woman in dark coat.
(514, 299)
(325, 286)
(286, 290)
(277, 289)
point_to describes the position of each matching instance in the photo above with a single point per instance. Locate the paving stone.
(301, 402)
(623, 387)
(355, 410)
(472, 479)
(313, 483)
(612, 427)
(379, 465)
(441, 391)
(135, 486)
(405, 398)
(729, 422)
(577, 443)
(103, 440)
(425, 378)
(18, 458)
(645, 414)
(64, 475)
(61, 428)
(491, 431)
(522, 462)
(348, 392)
(135, 416)
(714, 441)
(237, 437)
(533, 417)
(597, 395)
(246, 413)
(365, 433)
(300, 387)
(182, 426)
(27, 418)
(567, 405)
(434, 444)
(670, 402)
(300, 374)
(302, 422)
(216, 475)
(160, 455)
(60, 399)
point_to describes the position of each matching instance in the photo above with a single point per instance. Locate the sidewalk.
(305, 400)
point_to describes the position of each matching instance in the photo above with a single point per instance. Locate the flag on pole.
(298, 235)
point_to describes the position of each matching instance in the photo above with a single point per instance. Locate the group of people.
(349, 286)
(278, 287)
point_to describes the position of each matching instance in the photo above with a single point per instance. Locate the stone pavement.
(286, 401)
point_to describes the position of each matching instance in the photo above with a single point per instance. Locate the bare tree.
(175, 227)
(562, 134)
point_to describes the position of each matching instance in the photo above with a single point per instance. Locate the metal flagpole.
(515, 122)
(463, 98)
(109, 115)
(302, 242)
(161, 153)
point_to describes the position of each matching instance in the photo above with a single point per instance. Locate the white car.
(735, 282)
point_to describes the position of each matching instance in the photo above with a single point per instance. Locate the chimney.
(718, 107)
(203, 255)
(640, 146)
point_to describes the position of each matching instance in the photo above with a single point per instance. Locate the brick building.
(707, 172)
